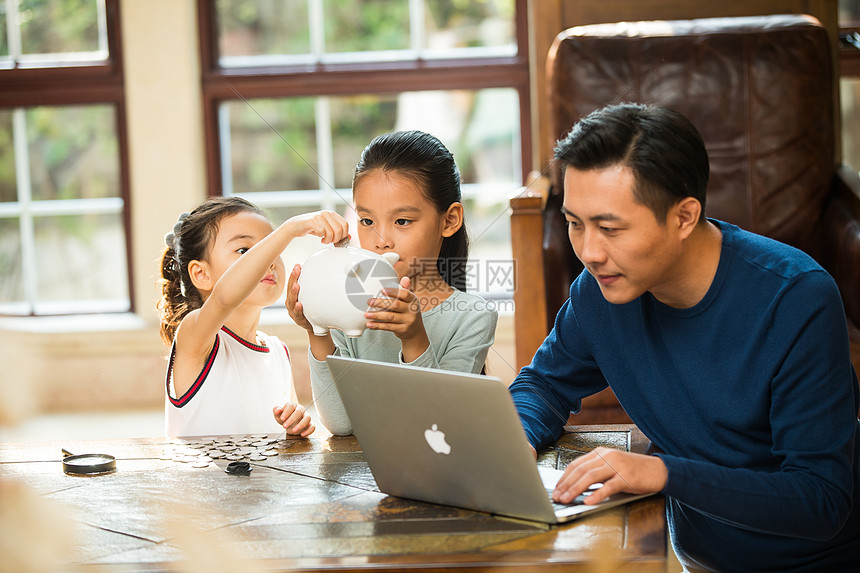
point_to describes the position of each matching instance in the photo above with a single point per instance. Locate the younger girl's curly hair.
(190, 239)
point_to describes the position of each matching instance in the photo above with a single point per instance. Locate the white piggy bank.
(337, 281)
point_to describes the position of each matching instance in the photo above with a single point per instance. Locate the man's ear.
(686, 215)
(200, 275)
(452, 219)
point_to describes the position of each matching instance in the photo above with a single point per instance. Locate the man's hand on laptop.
(618, 472)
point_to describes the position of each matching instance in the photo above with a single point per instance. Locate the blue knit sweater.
(750, 393)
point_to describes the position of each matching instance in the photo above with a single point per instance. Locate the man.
(727, 349)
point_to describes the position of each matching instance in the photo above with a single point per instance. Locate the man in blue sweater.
(727, 349)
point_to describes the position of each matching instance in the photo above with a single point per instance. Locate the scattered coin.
(200, 465)
(202, 451)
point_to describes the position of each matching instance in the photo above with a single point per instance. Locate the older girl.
(406, 190)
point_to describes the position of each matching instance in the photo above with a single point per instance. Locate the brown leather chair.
(760, 91)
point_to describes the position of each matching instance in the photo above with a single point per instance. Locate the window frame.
(849, 56)
(340, 79)
(81, 83)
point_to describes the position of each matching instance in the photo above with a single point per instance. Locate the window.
(849, 82)
(63, 194)
(294, 90)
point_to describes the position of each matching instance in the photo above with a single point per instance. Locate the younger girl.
(406, 190)
(221, 267)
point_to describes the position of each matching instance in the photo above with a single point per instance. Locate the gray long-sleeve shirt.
(461, 330)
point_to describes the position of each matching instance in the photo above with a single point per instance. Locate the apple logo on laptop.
(436, 440)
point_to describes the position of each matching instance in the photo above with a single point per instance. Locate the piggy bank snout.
(336, 283)
(369, 270)
(366, 279)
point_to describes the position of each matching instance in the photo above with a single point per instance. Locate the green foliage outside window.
(255, 27)
(278, 27)
(57, 26)
(367, 26)
(7, 158)
(4, 38)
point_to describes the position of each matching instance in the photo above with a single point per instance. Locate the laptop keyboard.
(578, 500)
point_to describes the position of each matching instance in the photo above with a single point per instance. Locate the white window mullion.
(316, 23)
(28, 235)
(325, 153)
(417, 40)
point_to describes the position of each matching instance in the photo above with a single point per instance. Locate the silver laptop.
(449, 438)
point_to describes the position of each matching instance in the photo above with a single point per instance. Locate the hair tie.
(172, 244)
(170, 238)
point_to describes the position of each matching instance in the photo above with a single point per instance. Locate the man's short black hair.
(661, 147)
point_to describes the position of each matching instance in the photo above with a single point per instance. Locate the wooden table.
(314, 505)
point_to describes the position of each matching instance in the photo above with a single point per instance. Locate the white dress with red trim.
(235, 391)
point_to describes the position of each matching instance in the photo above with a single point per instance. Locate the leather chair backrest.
(758, 89)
